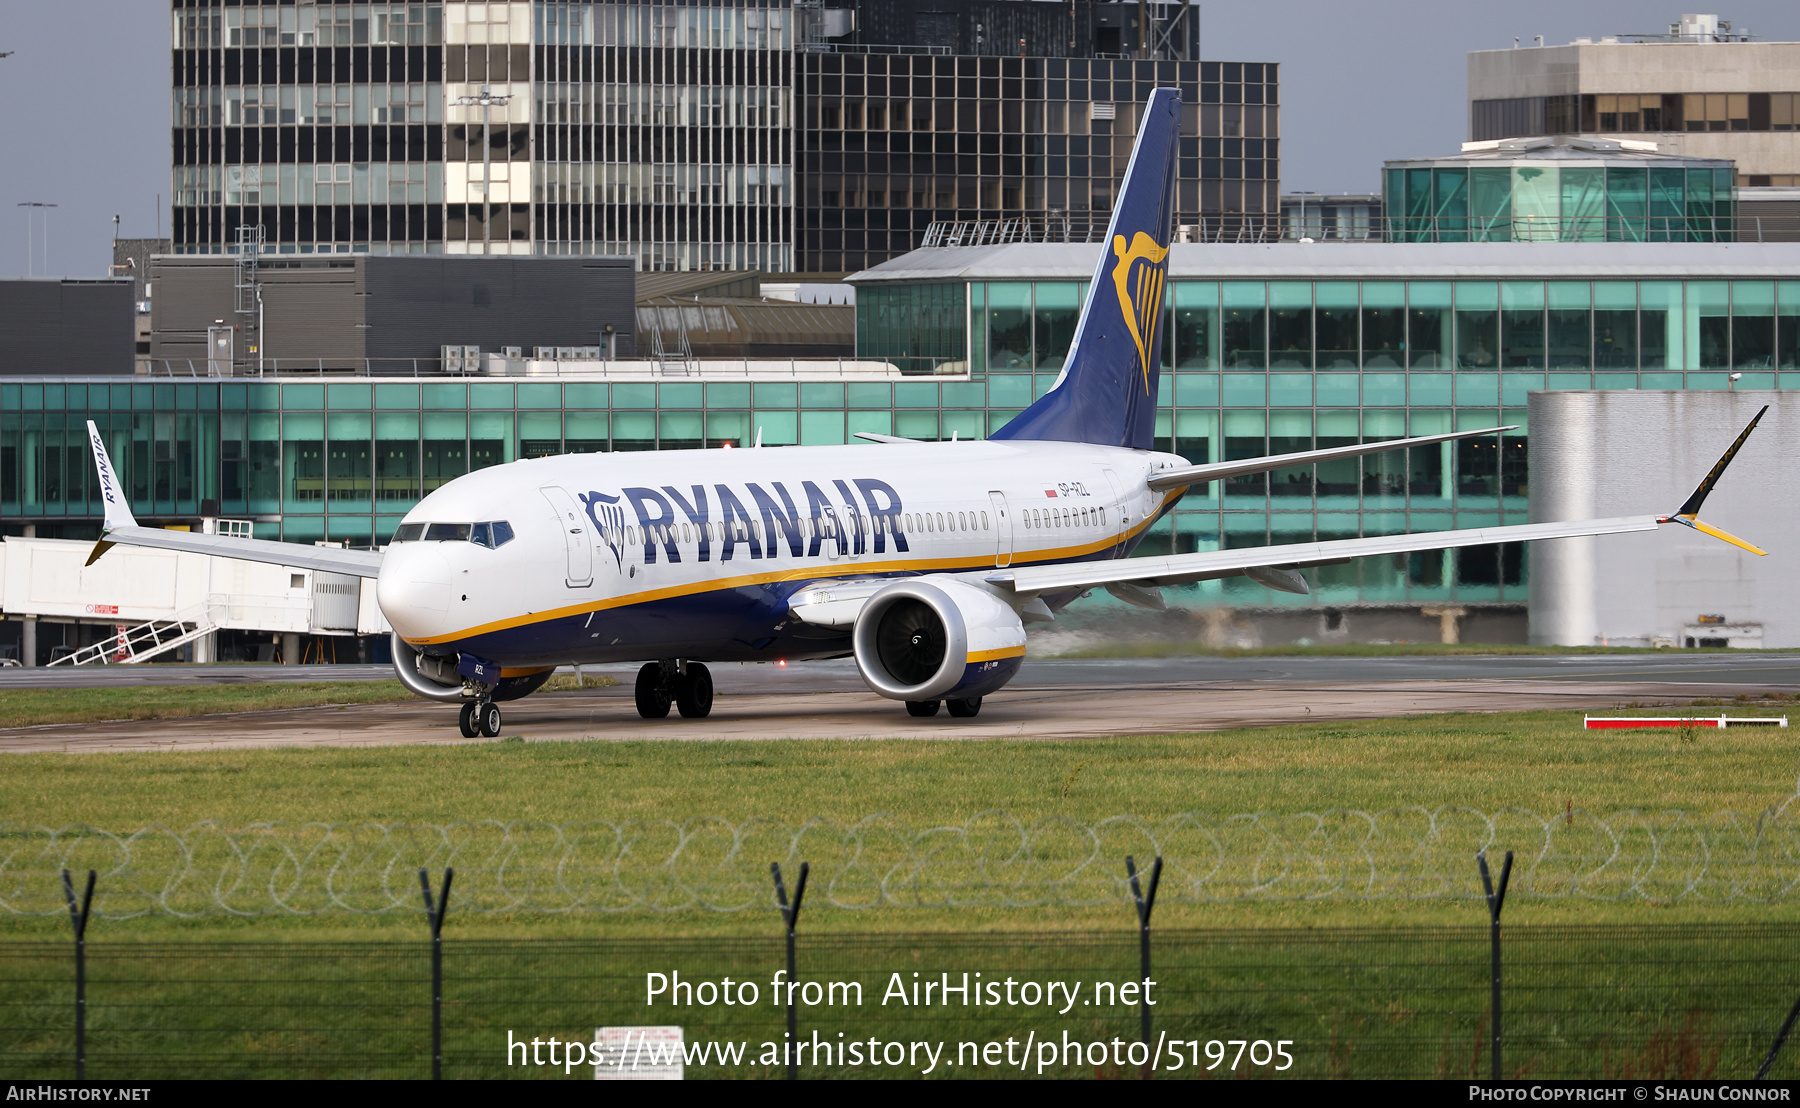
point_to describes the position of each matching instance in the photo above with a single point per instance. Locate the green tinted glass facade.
(1255, 367)
(1560, 203)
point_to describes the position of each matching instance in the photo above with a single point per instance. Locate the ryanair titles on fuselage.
(724, 518)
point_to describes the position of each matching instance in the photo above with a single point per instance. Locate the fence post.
(434, 912)
(79, 917)
(789, 914)
(1496, 900)
(1781, 1037)
(1146, 903)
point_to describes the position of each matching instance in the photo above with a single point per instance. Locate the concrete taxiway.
(1052, 698)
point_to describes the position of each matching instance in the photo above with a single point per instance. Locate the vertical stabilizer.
(1107, 391)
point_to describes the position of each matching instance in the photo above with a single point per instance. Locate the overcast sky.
(85, 123)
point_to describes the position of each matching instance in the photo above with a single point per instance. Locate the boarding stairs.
(147, 640)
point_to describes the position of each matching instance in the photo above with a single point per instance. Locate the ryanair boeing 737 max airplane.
(923, 560)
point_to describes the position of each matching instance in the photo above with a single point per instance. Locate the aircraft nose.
(414, 590)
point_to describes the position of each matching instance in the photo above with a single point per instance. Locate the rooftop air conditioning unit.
(462, 359)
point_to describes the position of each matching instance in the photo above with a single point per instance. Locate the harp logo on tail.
(1138, 275)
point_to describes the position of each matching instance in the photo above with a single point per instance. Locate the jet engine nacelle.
(436, 678)
(937, 638)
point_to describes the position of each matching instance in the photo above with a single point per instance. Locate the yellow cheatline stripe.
(1728, 537)
(996, 655)
(799, 573)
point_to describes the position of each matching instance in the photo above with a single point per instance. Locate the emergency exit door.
(1003, 536)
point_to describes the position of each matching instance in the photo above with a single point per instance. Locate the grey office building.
(65, 325)
(382, 315)
(756, 135)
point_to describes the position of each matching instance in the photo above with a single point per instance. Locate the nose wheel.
(479, 719)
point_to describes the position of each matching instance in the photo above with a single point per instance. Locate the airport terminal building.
(1271, 348)
(1288, 347)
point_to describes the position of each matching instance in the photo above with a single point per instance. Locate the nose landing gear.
(685, 685)
(480, 719)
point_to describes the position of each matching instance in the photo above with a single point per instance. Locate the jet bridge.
(154, 602)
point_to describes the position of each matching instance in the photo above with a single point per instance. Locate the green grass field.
(36, 707)
(1389, 986)
(1540, 761)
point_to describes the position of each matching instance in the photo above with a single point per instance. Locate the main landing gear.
(480, 719)
(962, 709)
(686, 685)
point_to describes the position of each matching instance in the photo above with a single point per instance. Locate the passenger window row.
(1042, 518)
(932, 522)
(911, 523)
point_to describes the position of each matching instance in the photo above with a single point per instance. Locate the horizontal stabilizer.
(1219, 471)
(121, 528)
(871, 436)
(357, 563)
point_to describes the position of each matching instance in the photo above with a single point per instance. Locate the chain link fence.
(1641, 1002)
(993, 860)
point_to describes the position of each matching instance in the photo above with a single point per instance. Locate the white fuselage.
(694, 553)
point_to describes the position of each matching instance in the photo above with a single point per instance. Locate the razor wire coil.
(993, 860)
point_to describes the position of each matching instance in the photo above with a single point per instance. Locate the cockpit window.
(497, 533)
(493, 534)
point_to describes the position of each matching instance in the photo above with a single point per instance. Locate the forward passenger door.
(576, 540)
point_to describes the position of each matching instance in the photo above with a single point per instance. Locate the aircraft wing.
(122, 528)
(1182, 568)
(1218, 471)
(1132, 579)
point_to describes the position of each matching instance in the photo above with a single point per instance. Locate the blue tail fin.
(1107, 391)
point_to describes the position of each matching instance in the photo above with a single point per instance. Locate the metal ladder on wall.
(248, 288)
(671, 363)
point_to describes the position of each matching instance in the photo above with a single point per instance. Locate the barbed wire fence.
(993, 860)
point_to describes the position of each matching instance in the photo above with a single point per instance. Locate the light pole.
(487, 99)
(30, 263)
